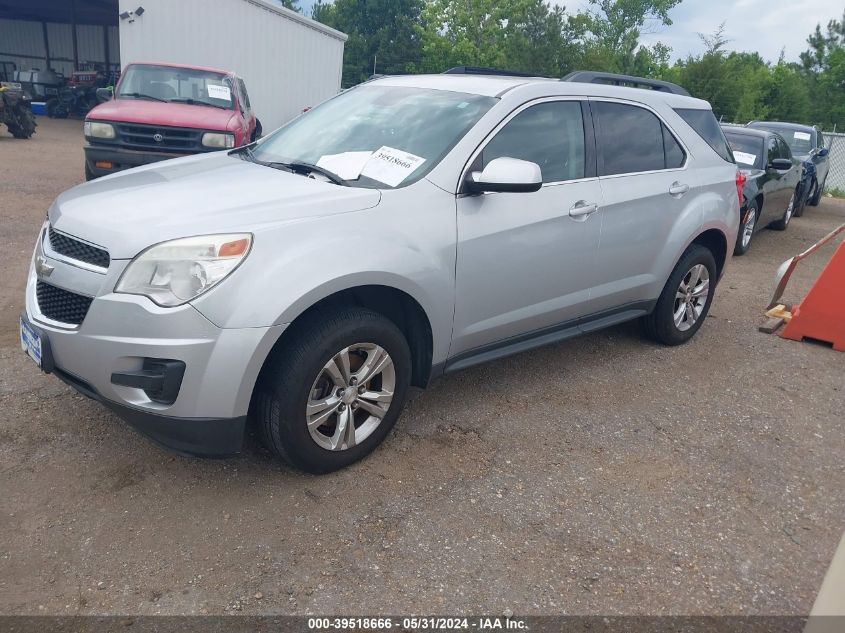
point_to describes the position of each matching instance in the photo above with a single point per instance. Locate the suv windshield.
(376, 136)
(178, 85)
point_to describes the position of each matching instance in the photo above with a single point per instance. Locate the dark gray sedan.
(773, 175)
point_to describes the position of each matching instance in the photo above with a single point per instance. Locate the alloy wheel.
(789, 209)
(691, 297)
(350, 396)
(748, 229)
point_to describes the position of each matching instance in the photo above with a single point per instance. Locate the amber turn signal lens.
(104, 164)
(234, 249)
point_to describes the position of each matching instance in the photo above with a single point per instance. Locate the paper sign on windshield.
(802, 136)
(745, 158)
(391, 166)
(219, 92)
(347, 165)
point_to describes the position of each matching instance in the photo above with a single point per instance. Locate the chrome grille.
(78, 250)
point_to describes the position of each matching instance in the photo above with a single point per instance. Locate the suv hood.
(148, 112)
(196, 195)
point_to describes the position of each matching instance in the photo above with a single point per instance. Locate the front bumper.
(120, 332)
(120, 158)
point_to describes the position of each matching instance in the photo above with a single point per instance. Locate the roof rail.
(591, 77)
(480, 70)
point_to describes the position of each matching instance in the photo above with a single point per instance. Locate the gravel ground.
(604, 475)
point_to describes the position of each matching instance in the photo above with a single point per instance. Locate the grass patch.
(835, 192)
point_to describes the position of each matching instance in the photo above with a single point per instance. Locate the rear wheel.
(781, 224)
(685, 301)
(332, 393)
(25, 125)
(746, 230)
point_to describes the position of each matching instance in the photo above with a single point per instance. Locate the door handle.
(583, 209)
(678, 189)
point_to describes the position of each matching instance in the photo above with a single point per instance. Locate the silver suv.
(406, 228)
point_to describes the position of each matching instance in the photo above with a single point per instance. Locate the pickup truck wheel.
(685, 301)
(746, 231)
(781, 224)
(332, 393)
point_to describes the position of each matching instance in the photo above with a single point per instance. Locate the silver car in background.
(409, 227)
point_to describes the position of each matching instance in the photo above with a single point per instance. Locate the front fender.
(407, 242)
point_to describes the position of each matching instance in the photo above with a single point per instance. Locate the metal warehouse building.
(288, 61)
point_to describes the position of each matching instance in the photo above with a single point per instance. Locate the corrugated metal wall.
(288, 62)
(22, 42)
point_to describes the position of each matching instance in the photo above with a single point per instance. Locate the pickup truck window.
(177, 85)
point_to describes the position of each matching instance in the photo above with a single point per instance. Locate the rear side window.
(707, 127)
(632, 139)
(549, 134)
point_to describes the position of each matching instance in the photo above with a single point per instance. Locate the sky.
(765, 26)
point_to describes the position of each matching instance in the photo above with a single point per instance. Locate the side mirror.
(506, 175)
(104, 94)
(823, 151)
(781, 164)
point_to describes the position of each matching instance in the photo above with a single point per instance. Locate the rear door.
(645, 184)
(525, 260)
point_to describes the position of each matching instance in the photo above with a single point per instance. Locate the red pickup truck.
(162, 111)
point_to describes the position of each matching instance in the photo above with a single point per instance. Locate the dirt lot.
(604, 475)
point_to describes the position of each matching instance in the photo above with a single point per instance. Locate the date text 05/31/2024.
(418, 624)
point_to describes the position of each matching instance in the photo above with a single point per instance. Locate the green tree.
(824, 74)
(383, 35)
(525, 35)
(293, 5)
(615, 27)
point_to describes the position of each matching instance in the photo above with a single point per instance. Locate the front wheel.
(334, 390)
(817, 194)
(685, 301)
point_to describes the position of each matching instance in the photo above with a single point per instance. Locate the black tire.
(817, 194)
(287, 380)
(25, 126)
(781, 224)
(739, 247)
(89, 175)
(660, 324)
(800, 202)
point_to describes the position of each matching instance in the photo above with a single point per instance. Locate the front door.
(525, 260)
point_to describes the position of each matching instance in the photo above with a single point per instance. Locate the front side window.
(550, 134)
(376, 136)
(244, 94)
(773, 150)
(632, 139)
(176, 85)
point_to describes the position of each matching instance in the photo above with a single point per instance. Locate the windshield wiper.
(197, 102)
(301, 168)
(141, 95)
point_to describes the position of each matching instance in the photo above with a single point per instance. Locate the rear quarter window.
(707, 127)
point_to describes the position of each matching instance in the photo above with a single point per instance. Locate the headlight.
(99, 130)
(215, 139)
(173, 273)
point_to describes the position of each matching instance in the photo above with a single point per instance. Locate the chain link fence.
(836, 176)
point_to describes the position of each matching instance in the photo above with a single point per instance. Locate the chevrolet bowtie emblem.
(42, 267)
